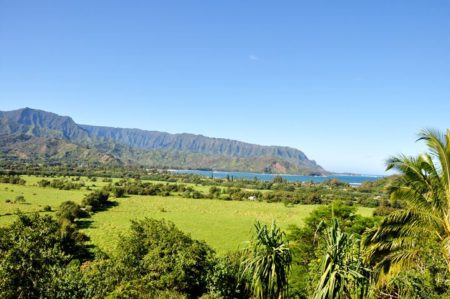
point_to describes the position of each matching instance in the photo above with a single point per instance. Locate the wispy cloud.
(253, 57)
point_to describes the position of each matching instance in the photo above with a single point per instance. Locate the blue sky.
(348, 82)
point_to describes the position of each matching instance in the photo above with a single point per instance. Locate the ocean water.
(350, 179)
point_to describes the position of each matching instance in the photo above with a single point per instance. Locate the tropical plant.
(424, 188)
(308, 243)
(267, 262)
(343, 274)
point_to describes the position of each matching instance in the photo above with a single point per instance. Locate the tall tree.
(424, 187)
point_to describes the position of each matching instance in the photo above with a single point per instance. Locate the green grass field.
(224, 225)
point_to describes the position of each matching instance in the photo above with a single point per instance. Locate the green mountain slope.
(51, 150)
(58, 138)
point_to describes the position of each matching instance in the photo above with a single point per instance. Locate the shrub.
(69, 211)
(97, 200)
(19, 199)
(225, 279)
(159, 256)
(118, 192)
(34, 253)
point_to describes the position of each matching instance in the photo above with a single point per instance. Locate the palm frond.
(424, 188)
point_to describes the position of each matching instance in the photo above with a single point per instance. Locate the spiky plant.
(343, 274)
(267, 262)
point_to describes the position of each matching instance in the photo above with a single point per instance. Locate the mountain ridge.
(155, 148)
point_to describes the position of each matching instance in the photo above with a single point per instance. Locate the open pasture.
(224, 225)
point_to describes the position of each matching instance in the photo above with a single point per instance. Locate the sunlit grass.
(224, 225)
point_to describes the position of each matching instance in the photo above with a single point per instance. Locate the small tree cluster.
(61, 184)
(96, 200)
(12, 179)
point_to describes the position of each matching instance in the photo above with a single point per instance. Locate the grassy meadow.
(224, 225)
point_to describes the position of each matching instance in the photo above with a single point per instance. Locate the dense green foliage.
(404, 238)
(34, 251)
(156, 255)
(69, 211)
(39, 260)
(62, 184)
(225, 278)
(309, 246)
(12, 179)
(96, 200)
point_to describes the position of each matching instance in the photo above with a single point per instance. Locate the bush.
(20, 199)
(34, 252)
(225, 279)
(158, 256)
(385, 208)
(97, 200)
(12, 179)
(62, 184)
(69, 211)
(118, 192)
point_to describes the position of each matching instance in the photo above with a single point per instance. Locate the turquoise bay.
(350, 179)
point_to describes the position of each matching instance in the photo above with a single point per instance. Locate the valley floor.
(224, 225)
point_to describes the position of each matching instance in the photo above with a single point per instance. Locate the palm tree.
(424, 187)
(343, 272)
(267, 262)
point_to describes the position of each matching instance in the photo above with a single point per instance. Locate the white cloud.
(253, 57)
